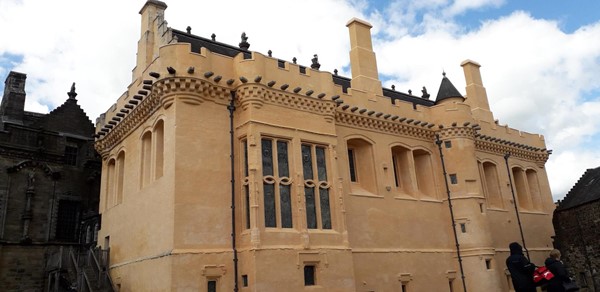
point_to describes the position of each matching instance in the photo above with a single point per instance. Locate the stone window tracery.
(276, 183)
(316, 187)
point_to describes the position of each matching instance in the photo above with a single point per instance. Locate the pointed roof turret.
(447, 90)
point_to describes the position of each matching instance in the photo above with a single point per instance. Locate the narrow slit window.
(351, 163)
(448, 144)
(463, 227)
(488, 264)
(245, 280)
(394, 164)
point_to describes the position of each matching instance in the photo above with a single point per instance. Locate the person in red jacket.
(521, 270)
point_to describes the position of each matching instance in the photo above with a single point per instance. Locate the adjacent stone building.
(577, 225)
(49, 187)
(226, 169)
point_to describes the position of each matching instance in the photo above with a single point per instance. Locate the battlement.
(179, 54)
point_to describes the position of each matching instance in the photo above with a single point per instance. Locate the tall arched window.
(159, 146)
(424, 173)
(110, 183)
(534, 189)
(360, 162)
(146, 158)
(520, 185)
(120, 173)
(402, 171)
(491, 184)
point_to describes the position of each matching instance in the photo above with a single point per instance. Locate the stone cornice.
(255, 95)
(539, 157)
(187, 89)
(495, 145)
(385, 126)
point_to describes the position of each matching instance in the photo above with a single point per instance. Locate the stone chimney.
(365, 76)
(476, 94)
(13, 100)
(152, 17)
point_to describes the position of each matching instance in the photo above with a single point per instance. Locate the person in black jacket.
(521, 270)
(557, 268)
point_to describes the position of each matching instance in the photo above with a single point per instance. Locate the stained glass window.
(276, 183)
(314, 160)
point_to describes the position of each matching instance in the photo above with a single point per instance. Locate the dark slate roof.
(391, 94)
(447, 90)
(586, 190)
(198, 42)
(213, 46)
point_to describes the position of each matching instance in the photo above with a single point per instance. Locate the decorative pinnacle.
(244, 44)
(72, 94)
(189, 29)
(315, 63)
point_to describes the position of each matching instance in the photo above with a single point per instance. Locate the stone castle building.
(577, 225)
(226, 169)
(49, 188)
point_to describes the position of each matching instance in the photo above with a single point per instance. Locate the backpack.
(541, 276)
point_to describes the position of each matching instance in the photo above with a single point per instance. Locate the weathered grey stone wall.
(578, 239)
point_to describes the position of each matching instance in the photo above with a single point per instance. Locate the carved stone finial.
(335, 72)
(425, 94)
(188, 29)
(315, 62)
(244, 43)
(72, 94)
(213, 37)
(410, 92)
(294, 60)
(270, 53)
(393, 87)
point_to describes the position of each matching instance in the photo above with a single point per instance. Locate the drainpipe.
(506, 156)
(438, 142)
(231, 109)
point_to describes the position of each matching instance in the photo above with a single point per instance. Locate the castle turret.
(460, 158)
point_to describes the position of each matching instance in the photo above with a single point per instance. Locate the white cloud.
(460, 6)
(535, 74)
